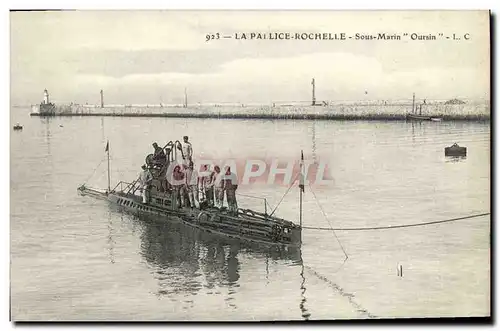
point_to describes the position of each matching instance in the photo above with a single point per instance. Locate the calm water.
(75, 258)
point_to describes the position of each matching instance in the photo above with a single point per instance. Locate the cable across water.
(395, 226)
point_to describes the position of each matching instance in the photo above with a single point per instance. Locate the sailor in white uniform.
(145, 179)
(192, 185)
(187, 151)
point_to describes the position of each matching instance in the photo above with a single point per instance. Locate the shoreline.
(333, 117)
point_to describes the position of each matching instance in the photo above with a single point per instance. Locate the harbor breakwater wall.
(469, 111)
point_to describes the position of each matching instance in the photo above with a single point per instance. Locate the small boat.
(455, 150)
(423, 118)
(418, 117)
(413, 116)
(18, 127)
(244, 224)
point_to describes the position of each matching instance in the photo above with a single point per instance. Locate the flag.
(301, 181)
(107, 147)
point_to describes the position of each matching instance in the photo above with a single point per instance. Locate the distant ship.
(419, 117)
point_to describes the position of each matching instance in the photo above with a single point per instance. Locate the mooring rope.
(330, 224)
(342, 292)
(93, 173)
(288, 190)
(395, 226)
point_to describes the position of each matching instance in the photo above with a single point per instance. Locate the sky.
(140, 57)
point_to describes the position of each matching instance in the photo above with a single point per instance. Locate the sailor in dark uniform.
(230, 184)
(159, 157)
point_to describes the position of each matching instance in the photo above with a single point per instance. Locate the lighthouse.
(45, 106)
(45, 97)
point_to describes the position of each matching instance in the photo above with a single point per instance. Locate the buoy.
(455, 150)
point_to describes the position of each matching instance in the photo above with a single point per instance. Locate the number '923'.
(212, 36)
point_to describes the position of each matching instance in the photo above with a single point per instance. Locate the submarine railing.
(128, 188)
(259, 198)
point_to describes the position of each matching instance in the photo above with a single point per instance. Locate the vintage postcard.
(249, 165)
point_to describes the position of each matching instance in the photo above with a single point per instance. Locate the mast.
(109, 178)
(303, 309)
(185, 98)
(313, 92)
(301, 185)
(413, 104)
(102, 99)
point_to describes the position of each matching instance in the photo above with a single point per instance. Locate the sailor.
(187, 150)
(206, 185)
(192, 185)
(218, 187)
(159, 157)
(178, 187)
(230, 184)
(202, 183)
(145, 179)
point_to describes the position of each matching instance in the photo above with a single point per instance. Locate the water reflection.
(454, 159)
(111, 241)
(420, 130)
(232, 271)
(185, 260)
(174, 257)
(47, 134)
(102, 130)
(314, 142)
(413, 132)
(302, 305)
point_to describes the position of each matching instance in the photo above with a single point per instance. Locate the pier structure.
(299, 110)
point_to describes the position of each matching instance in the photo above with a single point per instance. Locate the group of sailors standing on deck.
(190, 188)
(160, 158)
